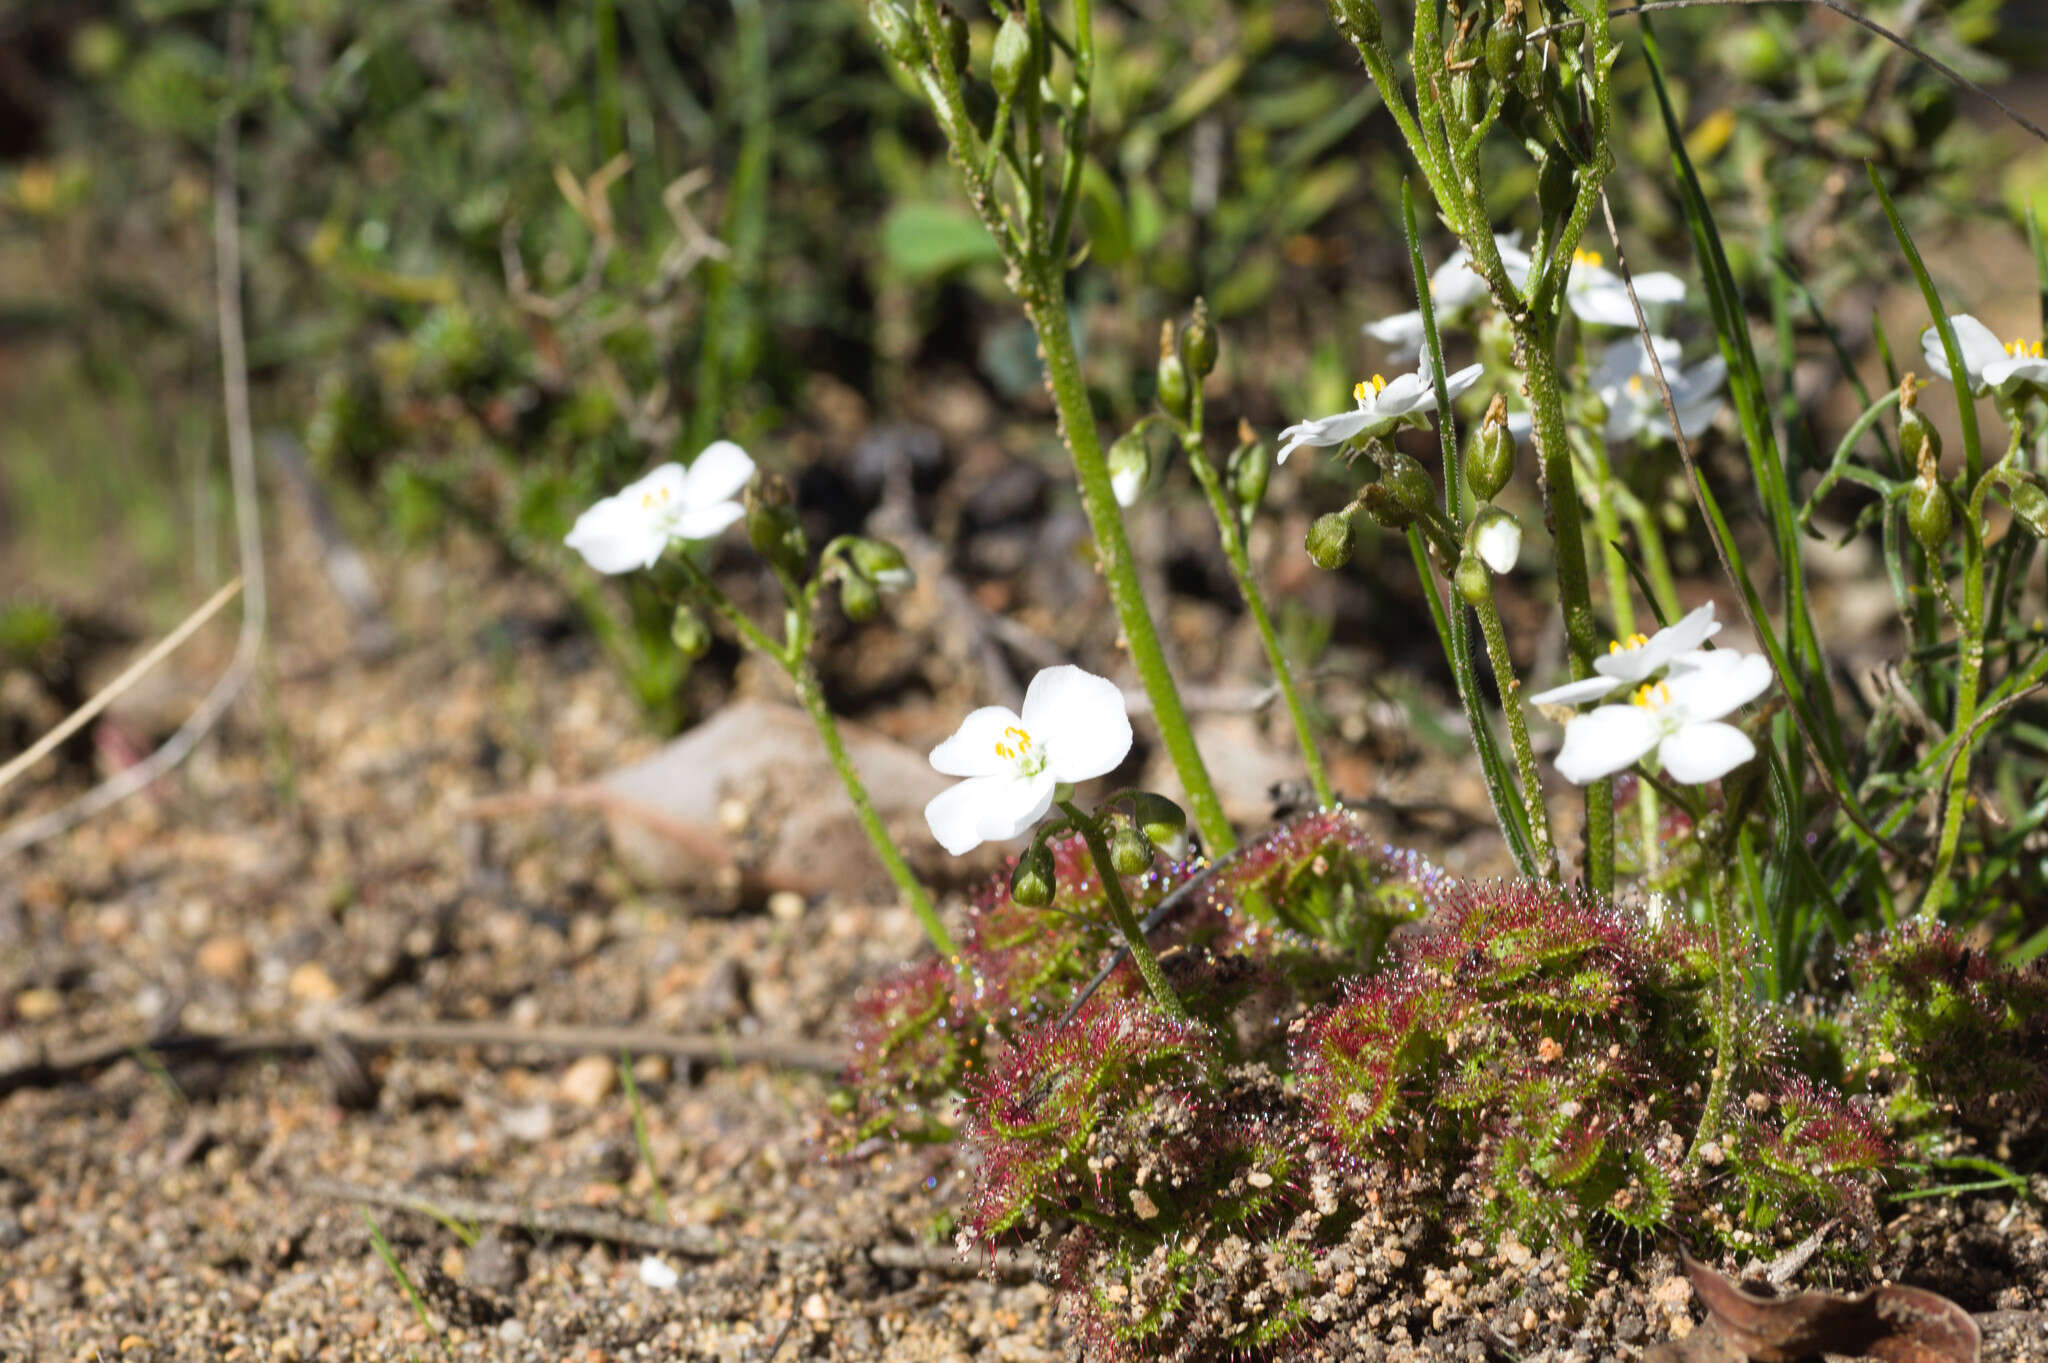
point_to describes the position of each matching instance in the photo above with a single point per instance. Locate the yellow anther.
(1021, 743)
(1376, 384)
(1628, 645)
(1650, 695)
(2020, 348)
(1589, 258)
(1635, 384)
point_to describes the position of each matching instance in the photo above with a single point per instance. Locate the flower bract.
(1992, 365)
(632, 528)
(1073, 728)
(1383, 404)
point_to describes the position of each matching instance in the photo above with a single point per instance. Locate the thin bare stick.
(1856, 17)
(112, 691)
(687, 1241)
(234, 365)
(702, 1048)
(1699, 484)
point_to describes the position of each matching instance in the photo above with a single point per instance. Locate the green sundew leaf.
(925, 240)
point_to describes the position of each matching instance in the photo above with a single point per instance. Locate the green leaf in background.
(924, 239)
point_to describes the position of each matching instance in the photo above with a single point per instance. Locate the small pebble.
(589, 1081)
(657, 1274)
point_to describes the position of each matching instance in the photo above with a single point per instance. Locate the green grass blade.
(1966, 405)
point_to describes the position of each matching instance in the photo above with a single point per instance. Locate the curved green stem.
(1120, 910)
(1045, 303)
(1720, 906)
(1227, 530)
(1509, 687)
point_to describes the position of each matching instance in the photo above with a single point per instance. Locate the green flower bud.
(1928, 511)
(858, 598)
(1504, 48)
(2029, 505)
(881, 563)
(1173, 392)
(1358, 20)
(953, 32)
(1471, 580)
(1010, 63)
(1380, 504)
(1251, 468)
(688, 632)
(772, 526)
(895, 31)
(1164, 824)
(1330, 540)
(1130, 467)
(1556, 187)
(1919, 441)
(1490, 453)
(1130, 852)
(1198, 342)
(1033, 881)
(1406, 481)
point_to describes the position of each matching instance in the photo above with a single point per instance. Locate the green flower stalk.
(661, 515)
(1034, 235)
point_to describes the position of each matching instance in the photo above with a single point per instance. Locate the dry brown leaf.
(1895, 1324)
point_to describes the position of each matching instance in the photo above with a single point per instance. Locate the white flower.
(1638, 658)
(659, 1274)
(1498, 541)
(1382, 405)
(1992, 365)
(1627, 383)
(1454, 289)
(1678, 719)
(1596, 294)
(631, 528)
(1073, 729)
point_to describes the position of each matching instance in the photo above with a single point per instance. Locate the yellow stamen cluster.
(1592, 259)
(651, 500)
(1369, 387)
(1020, 743)
(1628, 645)
(1635, 384)
(2022, 349)
(1650, 695)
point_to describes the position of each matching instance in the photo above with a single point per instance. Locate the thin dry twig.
(685, 1241)
(113, 690)
(703, 1048)
(234, 366)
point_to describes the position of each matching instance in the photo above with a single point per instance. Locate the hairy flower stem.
(1509, 687)
(1574, 584)
(1044, 294)
(1120, 910)
(812, 694)
(1720, 904)
(1229, 532)
(793, 657)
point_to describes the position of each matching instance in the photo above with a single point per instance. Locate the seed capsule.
(1010, 63)
(1130, 852)
(688, 632)
(1490, 454)
(1033, 881)
(1928, 511)
(1198, 342)
(1330, 540)
(1173, 391)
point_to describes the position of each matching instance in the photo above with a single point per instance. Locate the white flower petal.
(1577, 692)
(1499, 543)
(1607, 740)
(971, 751)
(1324, 430)
(618, 535)
(1704, 752)
(1013, 807)
(1464, 378)
(1711, 690)
(718, 473)
(1659, 287)
(1126, 484)
(954, 814)
(1080, 721)
(1636, 664)
(1402, 332)
(1403, 394)
(705, 522)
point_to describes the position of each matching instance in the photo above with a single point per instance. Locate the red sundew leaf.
(1891, 1323)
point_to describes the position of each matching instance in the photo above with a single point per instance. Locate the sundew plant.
(1230, 1081)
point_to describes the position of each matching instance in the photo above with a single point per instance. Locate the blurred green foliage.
(398, 156)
